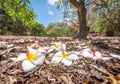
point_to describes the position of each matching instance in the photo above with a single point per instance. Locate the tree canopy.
(18, 18)
(80, 17)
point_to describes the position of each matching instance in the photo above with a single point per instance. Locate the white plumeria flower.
(30, 59)
(88, 53)
(98, 55)
(57, 46)
(64, 57)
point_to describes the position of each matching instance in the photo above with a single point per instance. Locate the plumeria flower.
(88, 53)
(30, 59)
(64, 57)
(57, 46)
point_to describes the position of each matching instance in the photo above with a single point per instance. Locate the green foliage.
(38, 30)
(72, 30)
(108, 10)
(59, 29)
(55, 32)
(99, 26)
(56, 29)
(18, 17)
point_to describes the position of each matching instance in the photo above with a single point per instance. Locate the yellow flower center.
(56, 45)
(64, 54)
(31, 57)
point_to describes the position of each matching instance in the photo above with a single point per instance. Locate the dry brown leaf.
(44, 74)
(117, 77)
(12, 80)
(112, 80)
(87, 80)
(65, 79)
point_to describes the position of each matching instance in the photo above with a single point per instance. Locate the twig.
(8, 50)
(104, 71)
(33, 71)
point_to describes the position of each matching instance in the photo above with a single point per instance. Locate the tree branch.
(89, 3)
(75, 3)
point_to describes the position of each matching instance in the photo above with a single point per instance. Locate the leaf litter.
(82, 71)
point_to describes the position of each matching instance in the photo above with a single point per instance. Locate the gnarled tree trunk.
(83, 29)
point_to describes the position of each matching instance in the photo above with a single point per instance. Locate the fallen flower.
(30, 59)
(64, 57)
(57, 46)
(88, 53)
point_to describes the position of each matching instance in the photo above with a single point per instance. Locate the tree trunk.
(83, 29)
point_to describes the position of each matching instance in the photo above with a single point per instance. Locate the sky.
(46, 11)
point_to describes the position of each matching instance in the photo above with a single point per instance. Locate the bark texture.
(83, 29)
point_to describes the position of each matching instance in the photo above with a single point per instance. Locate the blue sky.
(46, 11)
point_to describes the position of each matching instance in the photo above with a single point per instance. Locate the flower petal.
(64, 46)
(73, 56)
(58, 54)
(13, 58)
(87, 53)
(50, 50)
(98, 54)
(56, 59)
(66, 62)
(32, 50)
(45, 48)
(27, 66)
(20, 57)
(42, 49)
(61, 47)
(40, 60)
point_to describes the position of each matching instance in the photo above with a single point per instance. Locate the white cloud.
(52, 2)
(50, 12)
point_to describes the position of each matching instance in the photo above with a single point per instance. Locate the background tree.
(38, 30)
(80, 5)
(72, 29)
(108, 10)
(18, 17)
(56, 29)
